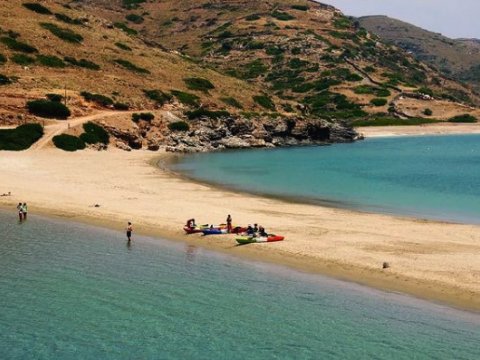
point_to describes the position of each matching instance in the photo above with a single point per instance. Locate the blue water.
(69, 291)
(430, 177)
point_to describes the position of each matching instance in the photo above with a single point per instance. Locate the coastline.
(430, 260)
(445, 128)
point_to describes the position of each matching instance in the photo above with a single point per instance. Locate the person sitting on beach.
(191, 223)
(129, 231)
(20, 211)
(250, 230)
(24, 211)
(255, 228)
(262, 232)
(7, 194)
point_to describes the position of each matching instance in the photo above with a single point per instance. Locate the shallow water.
(432, 177)
(70, 291)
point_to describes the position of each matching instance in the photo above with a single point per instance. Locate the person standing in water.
(24, 211)
(20, 212)
(229, 224)
(129, 231)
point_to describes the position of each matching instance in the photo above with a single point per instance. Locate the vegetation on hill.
(68, 142)
(20, 138)
(48, 109)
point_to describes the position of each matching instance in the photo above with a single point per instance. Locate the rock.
(234, 143)
(122, 146)
(386, 265)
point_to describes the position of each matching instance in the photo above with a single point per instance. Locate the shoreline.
(341, 244)
(420, 130)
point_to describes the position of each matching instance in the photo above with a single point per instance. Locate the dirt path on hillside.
(50, 131)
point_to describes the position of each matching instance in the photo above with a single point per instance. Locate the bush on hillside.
(186, 98)
(379, 102)
(134, 18)
(94, 134)
(158, 96)
(300, 7)
(82, 63)
(63, 33)
(252, 17)
(201, 112)
(123, 46)
(5, 80)
(48, 109)
(232, 102)
(38, 8)
(179, 126)
(199, 84)
(22, 59)
(264, 101)
(68, 142)
(132, 67)
(132, 4)
(16, 45)
(125, 28)
(283, 16)
(465, 118)
(55, 97)
(101, 100)
(142, 116)
(20, 138)
(51, 61)
(393, 121)
(3, 59)
(428, 112)
(121, 106)
(67, 19)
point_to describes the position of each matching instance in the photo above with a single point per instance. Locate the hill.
(456, 58)
(232, 73)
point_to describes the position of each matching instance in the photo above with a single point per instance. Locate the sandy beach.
(444, 128)
(432, 260)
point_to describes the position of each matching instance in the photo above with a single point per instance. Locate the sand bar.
(432, 260)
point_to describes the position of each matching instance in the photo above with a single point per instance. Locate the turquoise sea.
(71, 291)
(434, 177)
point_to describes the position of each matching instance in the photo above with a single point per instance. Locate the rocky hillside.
(199, 64)
(456, 58)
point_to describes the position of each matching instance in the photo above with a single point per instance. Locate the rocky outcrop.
(234, 133)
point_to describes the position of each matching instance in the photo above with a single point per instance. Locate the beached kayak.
(261, 239)
(200, 228)
(214, 231)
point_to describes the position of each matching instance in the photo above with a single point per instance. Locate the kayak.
(260, 239)
(200, 228)
(214, 231)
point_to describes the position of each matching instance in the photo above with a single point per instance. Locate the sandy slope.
(428, 259)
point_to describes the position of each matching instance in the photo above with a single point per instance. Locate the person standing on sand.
(20, 212)
(229, 224)
(129, 231)
(24, 211)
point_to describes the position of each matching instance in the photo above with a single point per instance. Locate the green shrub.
(300, 7)
(253, 17)
(22, 59)
(465, 118)
(158, 96)
(20, 138)
(134, 18)
(179, 126)
(125, 28)
(5, 80)
(283, 16)
(38, 8)
(16, 45)
(393, 121)
(68, 142)
(94, 134)
(132, 67)
(63, 33)
(123, 46)
(264, 101)
(254, 69)
(101, 100)
(201, 112)
(3, 59)
(121, 106)
(296, 63)
(342, 23)
(379, 102)
(82, 63)
(232, 102)
(425, 90)
(48, 109)
(186, 98)
(132, 4)
(136, 117)
(67, 19)
(369, 69)
(50, 61)
(199, 84)
(428, 112)
(368, 89)
(55, 97)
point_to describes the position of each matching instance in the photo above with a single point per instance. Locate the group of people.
(256, 230)
(22, 211)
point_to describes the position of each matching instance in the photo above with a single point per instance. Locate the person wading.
(129, 231)
(20, 211)
(24, 211)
